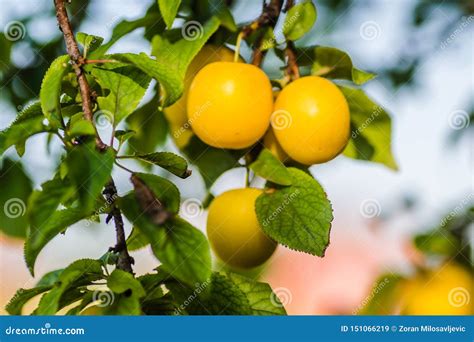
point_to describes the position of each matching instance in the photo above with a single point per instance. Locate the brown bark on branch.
(124, 261)
(268, 18)
(77, 62)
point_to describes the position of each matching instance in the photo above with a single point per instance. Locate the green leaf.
(28, 122)
(169, 9)
(176, 49)
(50, 278)
(232, 294)
(299, 20)
(211, 162)
(123, 135)
(270, 168)
(163, 190)
(89, 42)
(372, 125)
(15, 187)
(151, 19)
(298, 216)
(162, 72)
(331, 63)
(127, 87)
(173, 163)
(51, 89)
(384, 297)
(137, 240)
(80, 272)
(39, 236)
(21, 297)
(80, 127)
(42, 204)
(120, 281)
(438, 242)
(5, 52)
(151, 134)
(128, 292)
(182, 249)
(89, 170)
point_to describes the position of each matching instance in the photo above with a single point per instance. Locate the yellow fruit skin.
(311, 120)
(270, 142)
(176, 113)
(447, 291)
(234, 231)
(229, 104)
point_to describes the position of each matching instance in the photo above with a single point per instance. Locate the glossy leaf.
(298, 216)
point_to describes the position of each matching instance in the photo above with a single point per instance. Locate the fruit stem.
(237, 47)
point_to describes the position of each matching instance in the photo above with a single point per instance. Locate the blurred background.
(412, 224)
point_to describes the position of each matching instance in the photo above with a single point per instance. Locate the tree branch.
(291, 67)
(77, 63)
(269, 18)
(124, 261)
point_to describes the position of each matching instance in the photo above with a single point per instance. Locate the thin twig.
(291, 66)
(124, 261)
(269, 18)
(77, 62)
(99, 61)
